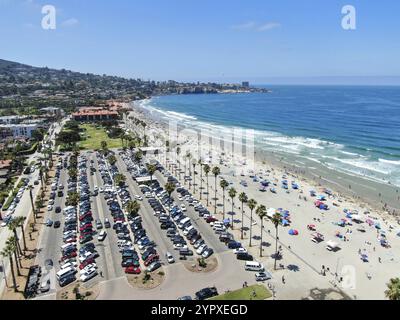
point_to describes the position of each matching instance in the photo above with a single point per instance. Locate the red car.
(86, 226)
(70, 240)
(211, 219)
(87, 214)
(85, 263)
(150, 259)
(68, 256)
(132, 270)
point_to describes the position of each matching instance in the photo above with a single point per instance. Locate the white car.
(49, 207)
(71, 264)
(183, 207)
(102, 235)
(88, 275)
(140, 198)
(262, 276)
(239, 250)
(169, 257)
(201, 249)
(179, 246)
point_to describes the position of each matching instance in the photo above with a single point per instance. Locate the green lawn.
(246, 294)
(93, 135)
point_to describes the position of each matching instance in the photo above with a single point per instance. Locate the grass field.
(261, 291)
(94, 135)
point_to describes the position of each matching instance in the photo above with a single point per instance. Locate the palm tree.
(393, 289)
(20, 222)
(216, 171)
(223, 184)
(243, 199)
(12, 242)
(166, 151)
(200, 162)
(151, 168)
(12, 226)
(119, 179)
(178, 152)
(232, 194)
(276, 219)
(103, 145)
(189, 157)
(138, 156)
(30, 187)
(112, 159)
(8, 253)
(252, 205)
(194, 176)
(169, 187)
(132, 207)
(207, 169)
(261, 211)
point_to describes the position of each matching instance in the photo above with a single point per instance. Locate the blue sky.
(256, 40)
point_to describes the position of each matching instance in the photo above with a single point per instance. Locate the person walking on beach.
(283, 279)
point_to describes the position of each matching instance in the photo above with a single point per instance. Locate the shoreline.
(371, 195)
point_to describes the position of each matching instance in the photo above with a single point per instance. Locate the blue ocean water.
(355, 129)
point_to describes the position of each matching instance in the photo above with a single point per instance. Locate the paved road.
(24, 207)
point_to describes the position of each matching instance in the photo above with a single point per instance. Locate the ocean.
(351, 129)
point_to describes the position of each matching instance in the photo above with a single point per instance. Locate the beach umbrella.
(285, 222)
(293, 232)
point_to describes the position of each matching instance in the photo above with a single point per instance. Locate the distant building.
(52, 111)
(94, 114)
(12, 119)
(245, 84)
(17, 130)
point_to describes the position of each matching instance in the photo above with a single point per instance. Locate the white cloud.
(253, 26)
(268, 26)
(70, 22)
(244, 26)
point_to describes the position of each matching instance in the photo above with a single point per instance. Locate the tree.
(276, 219)
(243, 199)
(151, 169)
(112, 159)
(223, 184)
(189, 157)
(12, 242)
(8, 252)
(20, 222)
(138, 156)
(194, 176)
(72, 198)
(216, 171)
(30, 187)
(169, 187)
(261, 211)
(232, 194)
(252, 205)
(103, 145)
(119, 179)
(393, 289)
(200, 162)
(132, 207)
(207, 169)
(178, 152)
(12, 226)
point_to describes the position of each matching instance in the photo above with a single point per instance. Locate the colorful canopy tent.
(271, 212)
(332, 245)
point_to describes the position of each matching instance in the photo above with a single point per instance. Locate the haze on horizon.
(270, 42)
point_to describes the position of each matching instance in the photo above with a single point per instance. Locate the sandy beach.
(368, 251)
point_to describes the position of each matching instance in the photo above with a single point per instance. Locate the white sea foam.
(394, 162)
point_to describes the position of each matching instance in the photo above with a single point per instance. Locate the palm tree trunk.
(17, 241)
(201, 181)
(251, 226)
(241, 234)
(261, 234)
(276, 246)
(232, 213)
(215, 196)
(23, 236)
(13, 273)
(223, 204)
(207, 190)
(17, 262)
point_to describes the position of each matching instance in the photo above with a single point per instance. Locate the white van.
(187, 230)
(253, 266)
(67, 245)
(183, 222)
(65, 272)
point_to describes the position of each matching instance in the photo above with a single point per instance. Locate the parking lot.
(165, 233)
